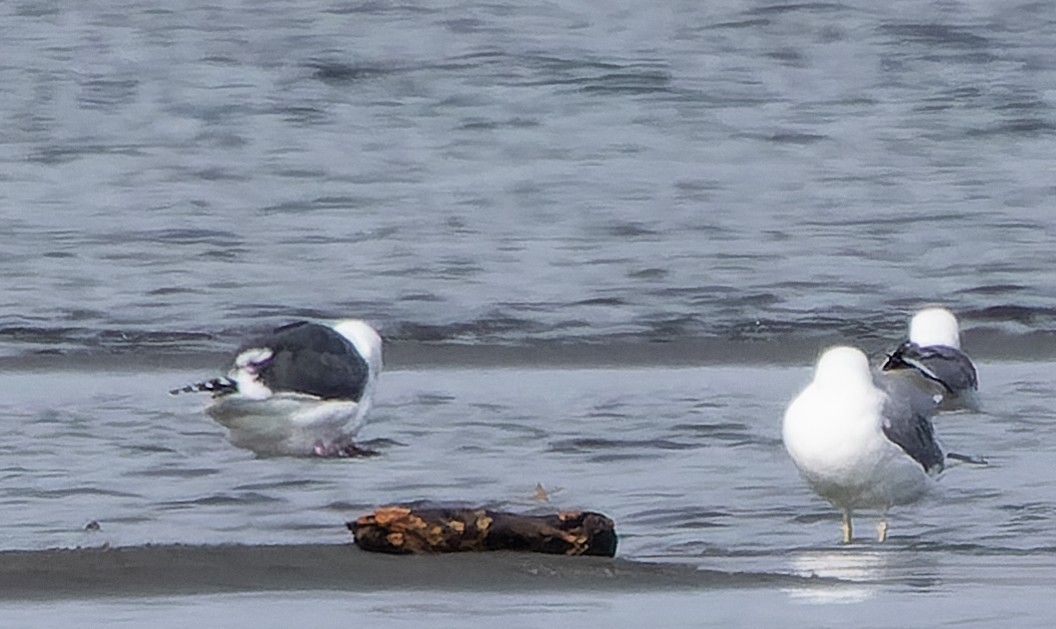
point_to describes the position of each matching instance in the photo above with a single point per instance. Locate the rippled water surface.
(650, 215)
(510, 173)
(688, 462)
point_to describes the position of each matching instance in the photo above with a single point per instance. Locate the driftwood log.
(404, 530)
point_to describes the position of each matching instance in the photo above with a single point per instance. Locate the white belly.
(284, 424)
(845, 457)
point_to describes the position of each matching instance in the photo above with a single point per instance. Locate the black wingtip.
(216, 386)
(896, 359)
(967, 458)
(889, 364)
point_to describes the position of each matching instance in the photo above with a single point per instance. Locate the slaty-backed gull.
(304, 389)
(934, 350)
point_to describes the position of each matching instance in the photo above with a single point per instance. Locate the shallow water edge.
(189, 569)
(674, 352)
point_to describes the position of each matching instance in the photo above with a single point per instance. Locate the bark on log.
(404, 530)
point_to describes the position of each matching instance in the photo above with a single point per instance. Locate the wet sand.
(155, 570)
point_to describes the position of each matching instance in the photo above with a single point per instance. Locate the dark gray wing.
(907, 420)
(945, 365)
(313, 359)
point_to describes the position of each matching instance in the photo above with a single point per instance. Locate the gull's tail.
(216, 386)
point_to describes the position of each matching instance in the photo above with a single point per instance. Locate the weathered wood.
(401, 529)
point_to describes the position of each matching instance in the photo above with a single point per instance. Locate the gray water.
(721, 180)
(502, 172)
(687, 461)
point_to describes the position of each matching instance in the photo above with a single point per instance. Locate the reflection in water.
(861, 572)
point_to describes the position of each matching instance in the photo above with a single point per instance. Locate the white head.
(843, 367)
(935, 326)
(365, 339)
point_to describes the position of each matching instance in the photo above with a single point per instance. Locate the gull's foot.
(341, 448)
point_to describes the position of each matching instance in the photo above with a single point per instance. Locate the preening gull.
(934, 350)
(304, 389)
(862, 441)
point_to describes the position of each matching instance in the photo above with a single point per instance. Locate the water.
(687, 461)
(505, 173)
(674, 205)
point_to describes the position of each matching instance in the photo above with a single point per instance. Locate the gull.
(862, 441)
(934, 350)
(304, 389)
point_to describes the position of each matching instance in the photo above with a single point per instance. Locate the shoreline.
(416, 355)
(153, 570)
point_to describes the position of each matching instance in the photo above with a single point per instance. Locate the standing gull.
(934, 350)
(304, 389)
(862, 443)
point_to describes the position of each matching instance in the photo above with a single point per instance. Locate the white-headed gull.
(934, 350)
(862, 440)
(303, 389)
